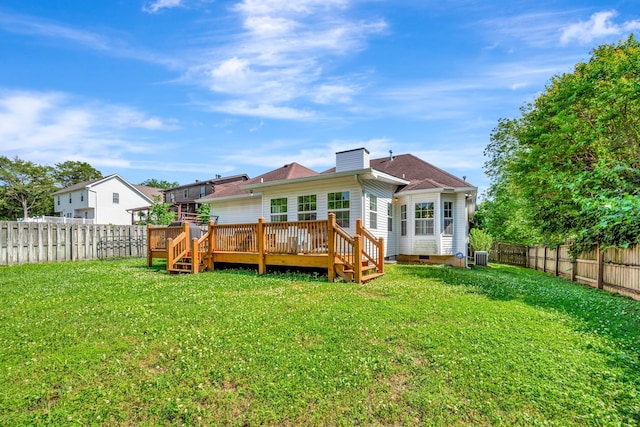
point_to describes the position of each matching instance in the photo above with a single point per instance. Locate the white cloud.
(157, 5)
(263, 110)
(283, 54)
(599, 25)
(48, 127)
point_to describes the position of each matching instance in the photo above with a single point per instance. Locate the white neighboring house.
(105, 200)
(419, 209)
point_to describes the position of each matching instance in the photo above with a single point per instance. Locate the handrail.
(372, 246)
(176, 248)
(344, 247)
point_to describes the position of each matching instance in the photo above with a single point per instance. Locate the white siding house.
(105, 200)
(418, 209)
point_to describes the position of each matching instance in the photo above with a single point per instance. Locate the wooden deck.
(318, 244)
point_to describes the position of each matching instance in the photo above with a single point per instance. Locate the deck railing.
(283, 243)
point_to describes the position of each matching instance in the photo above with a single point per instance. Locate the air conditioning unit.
(481, 258)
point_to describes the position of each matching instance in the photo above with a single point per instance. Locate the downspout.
(363, 202)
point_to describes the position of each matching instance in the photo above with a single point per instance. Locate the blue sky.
(183, 90)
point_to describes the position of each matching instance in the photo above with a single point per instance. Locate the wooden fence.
(615, 270)
(36, 242)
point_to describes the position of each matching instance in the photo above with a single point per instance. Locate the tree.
(159, 213)
(71, 172)
(152, 182)
(27, 186)
(572, 159)
(204, 213)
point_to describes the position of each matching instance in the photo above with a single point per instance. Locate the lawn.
(117, 343)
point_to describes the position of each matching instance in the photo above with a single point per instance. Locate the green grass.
(116, 343)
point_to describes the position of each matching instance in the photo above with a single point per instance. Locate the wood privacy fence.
(616, 270)
(35, 242)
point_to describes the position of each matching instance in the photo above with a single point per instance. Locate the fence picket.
(615, 270)
(26, 242)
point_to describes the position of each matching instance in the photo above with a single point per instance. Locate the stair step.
(370, 277)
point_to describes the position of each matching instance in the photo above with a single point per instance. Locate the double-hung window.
(389, 216)
(424, 219)
(307, 208)
(202, 190)
(403, 220)
(447, 218)
(116, 198)
(338, 204)
(373, 212)
(279, 210)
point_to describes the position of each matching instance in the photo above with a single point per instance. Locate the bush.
(480, 240)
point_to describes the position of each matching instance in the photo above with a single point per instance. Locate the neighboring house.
(183, 199)
(107, 200)
(419, 209)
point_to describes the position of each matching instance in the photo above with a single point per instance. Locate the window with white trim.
(307, 208)
(338, 204)
(403, 220)
(373, 212)
(389, 216)
(202, 190)
(185, 193)
(447, 218)
(424, 219)
(116, 198)
(279, 210)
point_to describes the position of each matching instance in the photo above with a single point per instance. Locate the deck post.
(195, 256)
(380, 259)
(261, 241)
(170, 259)
(331, 248)
(211, 246)
(357, 259)
(185, 229)
(149, 253)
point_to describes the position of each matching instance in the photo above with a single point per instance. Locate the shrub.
(480, 240)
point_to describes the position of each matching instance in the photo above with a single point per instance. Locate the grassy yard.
(116, 343)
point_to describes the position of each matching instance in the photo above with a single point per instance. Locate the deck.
(319, 244)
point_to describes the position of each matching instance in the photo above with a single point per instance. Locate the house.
(107, 200)
(421, 211)
(183, 199)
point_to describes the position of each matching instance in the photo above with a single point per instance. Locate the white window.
(403, 220)
(447, 218)
(116, 198)
(172, 197)
(185, 193)
(279, 210)
(389, 216)
(202, 190)
(373, 212)
(424, 219)
(307, 208)
(338, 204)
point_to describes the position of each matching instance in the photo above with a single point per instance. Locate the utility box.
(481, 258)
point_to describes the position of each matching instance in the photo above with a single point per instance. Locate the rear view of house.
(421, 211)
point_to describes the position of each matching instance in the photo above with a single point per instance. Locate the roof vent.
(390, 155)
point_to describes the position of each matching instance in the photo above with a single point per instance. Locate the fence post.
(600, 276)
(212, 244)
(499, 254)
(544, 260)
(557, 259)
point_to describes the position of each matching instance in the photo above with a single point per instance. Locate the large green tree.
(159, 183)
(72, 172)
(26, 188)
(572, 159)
